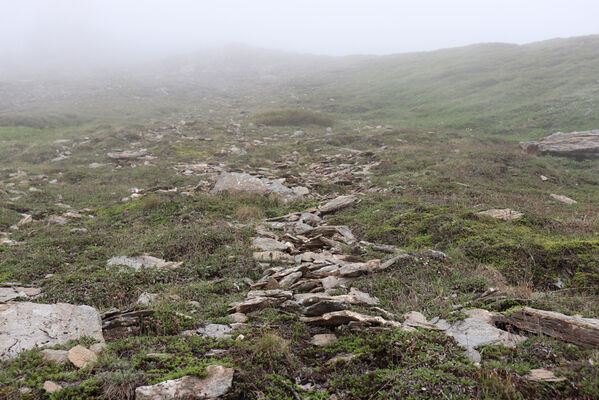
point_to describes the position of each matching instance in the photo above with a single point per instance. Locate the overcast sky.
(123, 29)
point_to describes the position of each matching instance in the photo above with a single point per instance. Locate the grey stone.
(337, 204)
(215, 385)
(144, 261)
(323, 339)
(24, 326)
(217, 331)
(583, 144)
(479, 329)
(58, 356)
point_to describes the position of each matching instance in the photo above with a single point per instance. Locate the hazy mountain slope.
(498, 88)
(526, 91)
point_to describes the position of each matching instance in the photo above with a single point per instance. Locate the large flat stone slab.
(213, 386)
(584, 144)
(24, 326)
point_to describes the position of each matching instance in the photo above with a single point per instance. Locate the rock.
(435, 255)
(97, 347)
(356, 269)
(117, 324)
(341, 357)
(301, 191)
(236, 182)
(479, 329)
(337, 204)
(416, 319)
(25, 220)
(271, 256)
(323, 339)
(217, 331)
(266, 283)
(337, 318)
(325, 306)
(267, 244)
(583, 332)
(239, 318)
(505, 214)
(215, 385)
(10, 291)
(360, 298)
(584, 144)
(58, 356)
(81, 356)
(51, 387)
(144, 261)
(95, 165)
(24, 325)
(543, 375)
(331, 282)
(57, 220)
(310, 219)
(127, 155)
(563, 199)
(290, 279)
(253, 304)
(145, 299)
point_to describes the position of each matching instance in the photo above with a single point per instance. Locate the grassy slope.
(524, 91)
(450, 93)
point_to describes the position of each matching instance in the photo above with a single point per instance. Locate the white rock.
(563, 199)
(24, 326)
(216, 384)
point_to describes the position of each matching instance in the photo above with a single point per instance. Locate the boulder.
(24, 326)
(479, 329)
(58, 356)
(543, 375)
(81, 356)
(217, 331)
(584, 144)
(267, 244)
(337, 318)
(10, 291)
(144, 261)
(337, 204)
(237, 182)
(213, 386)
(145, 299)
(505, 214)
(581, 331)
(323, 339)
(51, 387)
(325, 306)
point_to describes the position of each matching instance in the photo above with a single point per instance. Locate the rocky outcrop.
(10, 291)
(215, 385)
(144, 261)
(24, 326)
(237, 182)
(579, 145)
(505, 214)
(122, 323)
(574, 329)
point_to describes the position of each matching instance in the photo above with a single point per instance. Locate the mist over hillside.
(509, 89)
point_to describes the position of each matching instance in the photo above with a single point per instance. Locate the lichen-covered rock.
(216, 384)
(24, 326)
(584, 144)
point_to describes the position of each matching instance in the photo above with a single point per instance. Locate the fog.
(40, 34)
